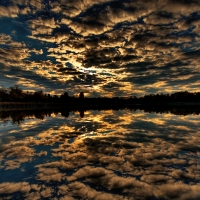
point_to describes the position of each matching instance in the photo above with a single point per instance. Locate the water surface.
(103, 155)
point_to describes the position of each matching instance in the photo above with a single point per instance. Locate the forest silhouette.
(16, 104)
(16, 94)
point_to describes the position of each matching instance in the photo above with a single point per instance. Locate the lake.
(103, 155)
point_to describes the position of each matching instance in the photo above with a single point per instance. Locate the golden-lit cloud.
(10, 11)
(104, 47)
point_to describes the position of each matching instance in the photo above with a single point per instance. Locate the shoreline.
(81, 106)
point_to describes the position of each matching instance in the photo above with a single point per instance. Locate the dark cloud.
(138, 42)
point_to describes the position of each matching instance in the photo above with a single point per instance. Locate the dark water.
(104, 155)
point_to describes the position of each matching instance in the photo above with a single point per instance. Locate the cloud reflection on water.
(143, 155)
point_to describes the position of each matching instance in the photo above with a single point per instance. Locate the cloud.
(140, 44)
(88, 28)
(9, 42)
(189, 23)
(72, 9)
(29, 83)
(160, 19)
(18, 7)
(13, 57)
(42, 26)
(181, 7)
(10, 11)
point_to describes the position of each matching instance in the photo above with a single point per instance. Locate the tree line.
(16, 94)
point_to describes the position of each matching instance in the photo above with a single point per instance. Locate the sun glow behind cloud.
(102, 48)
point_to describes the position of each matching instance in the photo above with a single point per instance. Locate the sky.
(100, 47)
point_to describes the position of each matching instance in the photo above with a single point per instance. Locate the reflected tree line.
(18, 116)
(16, 94)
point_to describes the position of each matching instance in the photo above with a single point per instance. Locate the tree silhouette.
(64, 97)
(4, 96)
(16, 93)
(81, 95)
